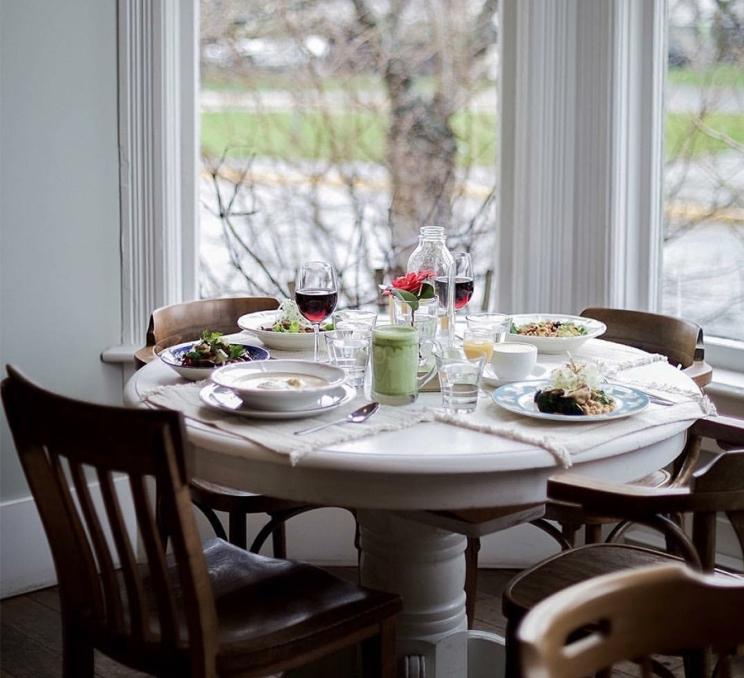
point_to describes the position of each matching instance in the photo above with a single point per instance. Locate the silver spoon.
(355, 417)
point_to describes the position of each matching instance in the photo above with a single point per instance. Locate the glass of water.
(349, 349)
(497, 324)
(459, 380)
(353, 318)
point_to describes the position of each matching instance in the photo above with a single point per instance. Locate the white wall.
(59, 212)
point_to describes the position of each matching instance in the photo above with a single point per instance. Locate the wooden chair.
(718, 487)
(630, 615)
(182, 322)
(681, 342)
(211, 609)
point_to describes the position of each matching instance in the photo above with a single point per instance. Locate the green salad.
(291, 321)
(213, 350)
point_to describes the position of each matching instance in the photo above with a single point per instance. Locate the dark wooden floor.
(31, 639)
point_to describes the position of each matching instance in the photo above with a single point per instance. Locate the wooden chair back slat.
(630, 615)
(113, 615)
(675, 338)
(158, 571)
(146, 446)
(132, 582)
(76, 533)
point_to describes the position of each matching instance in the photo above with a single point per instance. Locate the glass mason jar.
(432, 254)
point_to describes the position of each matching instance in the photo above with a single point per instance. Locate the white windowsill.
(119, 355)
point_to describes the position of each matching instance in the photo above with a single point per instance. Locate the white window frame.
(585, 203)
(158, 161)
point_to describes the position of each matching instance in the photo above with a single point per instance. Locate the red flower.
(412, 282)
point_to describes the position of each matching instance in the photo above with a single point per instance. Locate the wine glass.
(316, 294)
(463, 279)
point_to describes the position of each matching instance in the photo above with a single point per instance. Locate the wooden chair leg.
(471, 578)
(77, 653)
(238, 529)
(512, 669)
(378, 653)
(569, 531)
(279, 541)
(592, 534)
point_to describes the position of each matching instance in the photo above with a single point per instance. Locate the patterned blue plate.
(519, 397)
(173, 356)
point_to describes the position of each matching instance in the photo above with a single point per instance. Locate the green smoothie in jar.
(395, 359)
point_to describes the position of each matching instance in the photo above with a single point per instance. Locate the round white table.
(394, 479)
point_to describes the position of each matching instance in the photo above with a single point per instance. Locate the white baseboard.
(25, 559)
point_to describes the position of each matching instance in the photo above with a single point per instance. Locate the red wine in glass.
(463, 290)
(316, 305)
(316, 294)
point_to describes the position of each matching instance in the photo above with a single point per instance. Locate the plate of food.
(280, 384)
(574, 393)
(195, 360)
(554, 333)
(284, 329)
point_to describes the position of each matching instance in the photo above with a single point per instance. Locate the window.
(334, 129)
(703, 274)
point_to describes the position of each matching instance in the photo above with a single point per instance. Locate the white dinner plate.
(221, 398)
(519, 397)
(594, 328)
(284, 341)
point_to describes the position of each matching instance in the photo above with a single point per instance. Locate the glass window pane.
(334, 129)
(704, 226)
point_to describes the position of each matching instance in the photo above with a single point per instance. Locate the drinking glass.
(349, 350)
(355, 319)
(478, 343)
(459, 380)
(497, 324)
(316, 294)
(464, 285)
(395, 365)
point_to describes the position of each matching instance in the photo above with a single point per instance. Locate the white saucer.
(221, 398)
(490, 378)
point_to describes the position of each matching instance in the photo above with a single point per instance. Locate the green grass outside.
(723, 75)
(361, 136)
(682, 135)
(356, 136)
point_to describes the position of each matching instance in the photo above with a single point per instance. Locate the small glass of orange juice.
(478, 343)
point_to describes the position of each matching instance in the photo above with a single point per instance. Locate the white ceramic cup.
(512, 361)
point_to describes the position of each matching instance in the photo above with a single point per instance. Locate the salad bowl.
(284, 329)
(572, 331)
(280, 385)
(173, 357)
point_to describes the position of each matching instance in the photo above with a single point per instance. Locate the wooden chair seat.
(270, 610)
(535, 584)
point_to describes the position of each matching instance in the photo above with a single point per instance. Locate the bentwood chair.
(681, 341)
(717, 487)
(182, 322)
(630, 615)
(211, 609)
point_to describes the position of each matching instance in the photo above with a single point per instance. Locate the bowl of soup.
(280, 384)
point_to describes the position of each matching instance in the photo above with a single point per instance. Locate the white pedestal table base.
(426, 566)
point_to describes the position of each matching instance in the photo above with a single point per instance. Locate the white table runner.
(562, 440)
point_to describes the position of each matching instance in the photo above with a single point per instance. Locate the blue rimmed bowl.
(173, 357)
